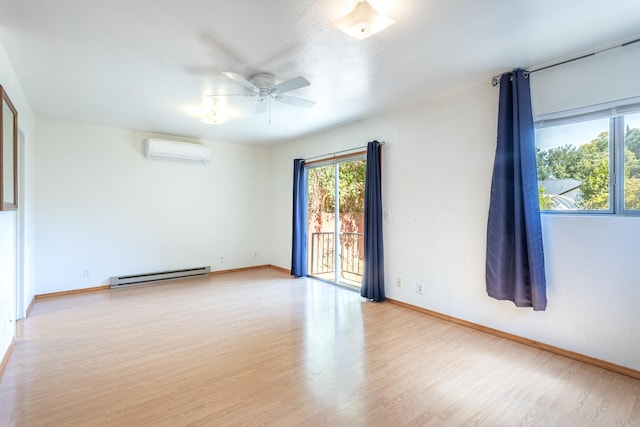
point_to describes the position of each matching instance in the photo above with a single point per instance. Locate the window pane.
(573, 166)
(632, 161)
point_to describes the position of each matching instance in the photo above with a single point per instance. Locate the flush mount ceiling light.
(212, 118)
(363, 22)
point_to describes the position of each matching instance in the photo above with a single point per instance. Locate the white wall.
(104, 207)
(436, 181)
(8, 220)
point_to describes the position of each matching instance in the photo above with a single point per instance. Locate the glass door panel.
(321, 222)
(351, 225)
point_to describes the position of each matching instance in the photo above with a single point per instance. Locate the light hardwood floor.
(260, 348)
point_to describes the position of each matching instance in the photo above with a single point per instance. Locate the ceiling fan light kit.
(363, 21)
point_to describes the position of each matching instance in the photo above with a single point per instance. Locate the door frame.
(20, 307)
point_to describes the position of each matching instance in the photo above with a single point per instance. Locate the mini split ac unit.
(172, 150)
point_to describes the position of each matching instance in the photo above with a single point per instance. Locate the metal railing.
(351, 254)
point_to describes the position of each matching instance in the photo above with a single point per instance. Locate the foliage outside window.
(322, 192)
(590, 164)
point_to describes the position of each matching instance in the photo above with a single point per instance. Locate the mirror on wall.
(8, 154)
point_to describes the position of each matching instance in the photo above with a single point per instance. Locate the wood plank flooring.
(260, 348)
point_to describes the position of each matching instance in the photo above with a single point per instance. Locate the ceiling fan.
(264, 88)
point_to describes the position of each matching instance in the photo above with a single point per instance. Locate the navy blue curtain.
(373, 278)
(515, 257)
(299, 230)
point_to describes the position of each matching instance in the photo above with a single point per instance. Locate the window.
(590, 162)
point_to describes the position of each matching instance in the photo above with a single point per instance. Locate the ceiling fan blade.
(261, 106)
(244, 82)
(289, 85)
(298, 102)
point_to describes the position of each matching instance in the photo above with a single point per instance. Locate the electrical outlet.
(420, 288)
(86, 273)
(221, 260)
(398, 282)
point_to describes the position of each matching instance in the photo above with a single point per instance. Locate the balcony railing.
(351, 260)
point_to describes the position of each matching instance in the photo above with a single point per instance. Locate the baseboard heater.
(137, 279)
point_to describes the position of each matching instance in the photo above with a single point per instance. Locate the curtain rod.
(329, 155)
(495, 80)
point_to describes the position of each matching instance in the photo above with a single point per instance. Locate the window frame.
(615, 113)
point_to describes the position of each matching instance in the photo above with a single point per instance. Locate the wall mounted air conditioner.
(172, 150)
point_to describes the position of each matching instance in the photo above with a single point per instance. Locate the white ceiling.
(148, 65)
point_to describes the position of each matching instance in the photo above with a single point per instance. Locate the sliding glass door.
(336, 230)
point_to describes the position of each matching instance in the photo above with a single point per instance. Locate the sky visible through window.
(632, 120)
(576, 134)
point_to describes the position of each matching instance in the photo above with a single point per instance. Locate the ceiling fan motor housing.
(263, 80)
